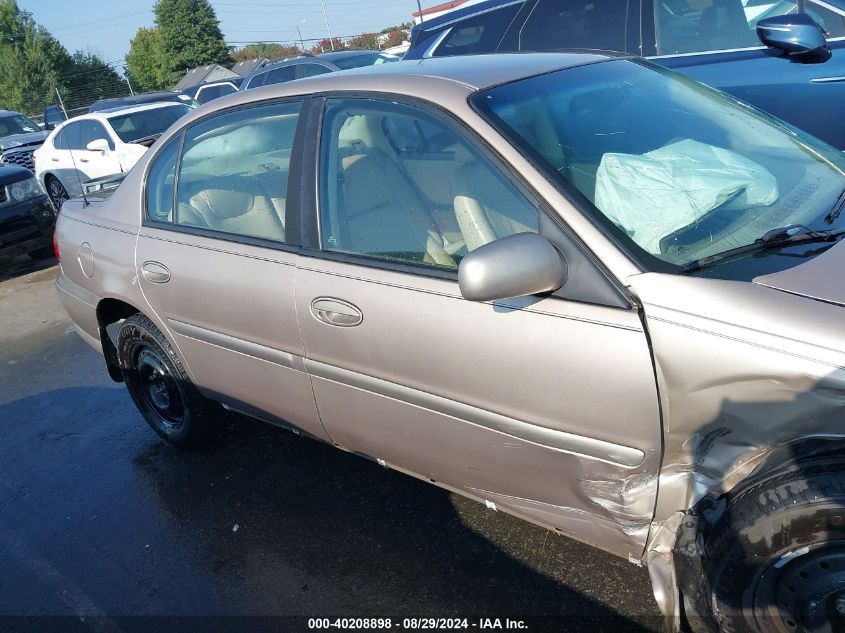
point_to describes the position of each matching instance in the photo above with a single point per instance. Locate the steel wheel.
(158, 388)
(804, 590)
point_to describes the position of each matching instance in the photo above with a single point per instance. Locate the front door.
(216, 265)
(545, 407)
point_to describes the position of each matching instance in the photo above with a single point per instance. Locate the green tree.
(31, 61)
(325, 46)
(145, 65)
(90, 79)
(190, 36)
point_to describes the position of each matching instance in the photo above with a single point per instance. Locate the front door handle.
(336, 312)
(155, 273)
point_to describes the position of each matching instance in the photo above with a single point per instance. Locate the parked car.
(205, 92)
(312, 65)
(19, 138)
(100, 144)
(577, 288)
(788, 70)
(141, 99)
(26, 215)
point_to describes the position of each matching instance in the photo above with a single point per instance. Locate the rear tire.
(159, 386)
(776, 560)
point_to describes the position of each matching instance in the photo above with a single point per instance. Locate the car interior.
(409, 189)
(233, 175)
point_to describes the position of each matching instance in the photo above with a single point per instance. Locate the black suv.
(27, 217)
(19, 137)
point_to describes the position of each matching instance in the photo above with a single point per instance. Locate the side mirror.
(52, 117)
(514, 266)
(797, 35)
(98, 145)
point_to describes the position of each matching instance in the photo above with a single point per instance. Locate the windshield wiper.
(830, 218)
(776, 238)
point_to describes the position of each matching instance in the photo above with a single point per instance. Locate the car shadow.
(12, 267)
(266, 523)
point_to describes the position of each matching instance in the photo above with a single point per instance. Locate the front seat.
(486, 209)
(379, 208)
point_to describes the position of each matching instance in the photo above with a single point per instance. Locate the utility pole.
(301, 41)
(131, 92)
(328, 28)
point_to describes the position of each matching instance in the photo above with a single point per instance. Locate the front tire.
(776, 561)
(159, 386)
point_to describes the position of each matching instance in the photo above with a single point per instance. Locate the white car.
(100, 144)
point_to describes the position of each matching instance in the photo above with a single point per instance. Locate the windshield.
(359, 61)
(16, 124)
(675, 170)
(146, 123)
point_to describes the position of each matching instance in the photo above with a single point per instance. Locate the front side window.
(398, 184)
(233, 175)
(160, 182)
(591, 24)
(676, 170)
(91, 130)
(478, 34)
(146, 125)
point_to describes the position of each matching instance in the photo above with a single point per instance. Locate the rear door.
(216, 260)
(543, 406)
(719, 47)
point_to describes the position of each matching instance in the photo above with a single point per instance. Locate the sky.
(106, 26)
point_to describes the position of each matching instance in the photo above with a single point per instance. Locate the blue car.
(785, 56)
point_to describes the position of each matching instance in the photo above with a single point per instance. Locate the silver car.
(574, 287)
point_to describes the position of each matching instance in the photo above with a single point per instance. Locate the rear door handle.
(83, 160)
(155, 273)
(55, 160)
(336, 312)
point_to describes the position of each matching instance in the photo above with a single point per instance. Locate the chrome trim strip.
(726, 50)
(826, 80)
(551, 438)
(247, 348)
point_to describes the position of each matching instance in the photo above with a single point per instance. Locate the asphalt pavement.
(99, 520)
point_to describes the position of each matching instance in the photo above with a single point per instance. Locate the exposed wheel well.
(111, 311)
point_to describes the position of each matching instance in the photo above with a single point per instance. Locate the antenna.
(81, 187)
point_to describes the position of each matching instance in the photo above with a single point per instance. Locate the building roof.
(249, 66)
(446, 6)
(204, 74)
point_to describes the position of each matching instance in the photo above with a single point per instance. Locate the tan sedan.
(574, 287)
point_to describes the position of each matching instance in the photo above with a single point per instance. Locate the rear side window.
(160, 184)
(478, 34)
(281, 75)
(312, 70)
(256, 81)
(233, 174)
(596, 24)
(213, 92)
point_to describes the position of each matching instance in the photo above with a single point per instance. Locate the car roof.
(9, 113)
(348, 52)
(104, 115)
(459, 13)
(439, 79)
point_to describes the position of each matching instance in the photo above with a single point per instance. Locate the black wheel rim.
(57, 192)
(158, 390)
(804, 591)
